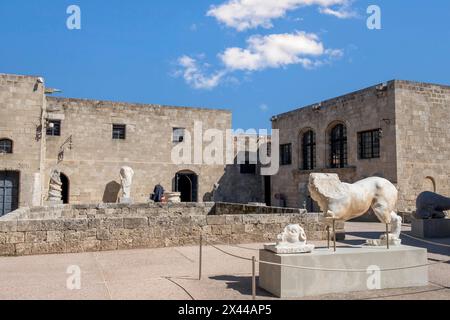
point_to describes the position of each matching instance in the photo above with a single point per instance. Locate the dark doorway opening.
(9, 191)
(268, 190)
(65, 188)
(187, 184)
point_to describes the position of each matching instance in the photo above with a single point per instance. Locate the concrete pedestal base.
(125, 201)
(430, 228)
(53, 203)
(285, 282)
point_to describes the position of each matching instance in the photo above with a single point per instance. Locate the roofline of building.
(20, 76)
(395, 81)
(133, 104)
(114, 103)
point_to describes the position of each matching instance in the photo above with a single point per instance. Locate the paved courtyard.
(171, 273)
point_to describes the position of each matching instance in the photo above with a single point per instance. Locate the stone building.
(398, 130)
(89, 141)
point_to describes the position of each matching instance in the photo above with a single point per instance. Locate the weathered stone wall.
(364, 110)
(423, 140)
(221, 208)
(84, 228)
(22, 105)
(94, 162)
(92, 165)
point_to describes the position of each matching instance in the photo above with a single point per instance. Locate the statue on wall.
(126, 178)
(292, 240)
(343, 201)
(55, 187)
(430, 205)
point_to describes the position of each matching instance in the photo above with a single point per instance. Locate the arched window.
(338, 146)
(309, 150)
(6, 146)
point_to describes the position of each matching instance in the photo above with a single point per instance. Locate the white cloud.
(274, 51)
(195, 75)
(344, 12)
(262, 52)
(264, 107)
(250, 14)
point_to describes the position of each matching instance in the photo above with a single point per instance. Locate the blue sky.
(173, 52)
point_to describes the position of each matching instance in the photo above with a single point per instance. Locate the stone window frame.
(337, 145)
(248, 167)
(308, 150)
(286, 154)
(369, 149)
(119, 131)
(6, 146)
(54, 131)
(178, 134)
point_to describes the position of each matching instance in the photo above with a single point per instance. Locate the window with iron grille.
(119, 131)
(369, 144)
(54, 128)
(285, 154)
(249, 167)
(338, 146)
(6, 146)
(178, 135)
(309, 150)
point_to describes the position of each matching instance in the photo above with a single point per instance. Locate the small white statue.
(292, 240)
(126, 178)
(343, 201)
(55, 187)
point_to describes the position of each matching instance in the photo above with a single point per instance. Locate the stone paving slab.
(171, 273)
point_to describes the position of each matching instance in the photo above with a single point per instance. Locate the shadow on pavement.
(242, 284)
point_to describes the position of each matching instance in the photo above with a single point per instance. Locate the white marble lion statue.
(343, 201)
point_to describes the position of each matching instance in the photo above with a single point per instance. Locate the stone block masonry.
(90, 228)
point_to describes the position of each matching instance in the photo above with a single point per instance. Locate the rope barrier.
(239, 247)
(325, 269)
(227, 253)
(426, 241)
(354, 270)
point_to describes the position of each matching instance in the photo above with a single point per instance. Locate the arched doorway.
(186, 182)
(65, 188)
(429, 184)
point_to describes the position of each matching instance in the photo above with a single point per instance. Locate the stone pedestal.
(285, 282)
(125, 201)
(53, 203)
(430, 228)
(173, 197)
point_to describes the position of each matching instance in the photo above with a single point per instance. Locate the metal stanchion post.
(387, 235)
(254, 278)
(200, 260)
(334, 234)
(328, 237)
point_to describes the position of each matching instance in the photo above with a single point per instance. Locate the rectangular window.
(369, 144)
(285, 154)
(54, 128)
(119, 131)
(178, 135)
